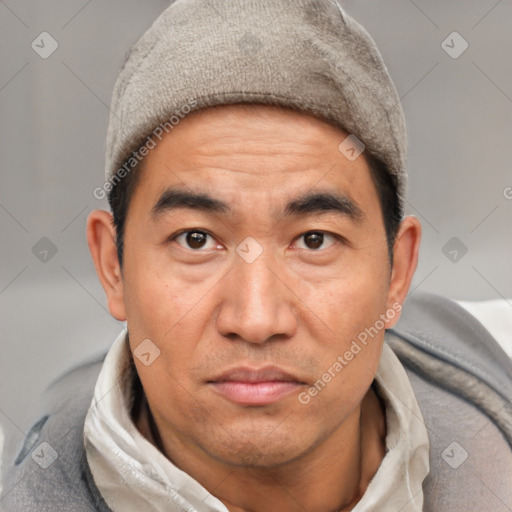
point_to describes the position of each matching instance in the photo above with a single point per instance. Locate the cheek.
(349, 359)
(162, 307)
(350, 334)
(158, 313)
(157, 298)
(349, 297)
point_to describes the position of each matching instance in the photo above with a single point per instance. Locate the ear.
(101, 238)
(405, 261)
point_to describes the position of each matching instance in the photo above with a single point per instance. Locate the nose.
(257, 303)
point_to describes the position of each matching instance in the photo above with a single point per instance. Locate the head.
(247, 239)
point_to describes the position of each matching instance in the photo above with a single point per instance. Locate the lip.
(255, 386)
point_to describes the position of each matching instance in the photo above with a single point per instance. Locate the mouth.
(262, 386)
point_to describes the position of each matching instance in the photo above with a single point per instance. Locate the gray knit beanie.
(302, 54)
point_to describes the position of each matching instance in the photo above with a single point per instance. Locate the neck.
(330, 478)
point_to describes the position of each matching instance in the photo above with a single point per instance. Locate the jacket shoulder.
(438, 327)
(462, 380)
(445, 345)
(50, 472)
(470, 460)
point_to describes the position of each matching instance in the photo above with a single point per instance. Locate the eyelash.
(186, 231)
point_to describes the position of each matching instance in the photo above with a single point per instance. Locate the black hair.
(386, 185)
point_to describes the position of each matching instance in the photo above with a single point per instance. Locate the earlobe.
(405, 261)
(101, 238)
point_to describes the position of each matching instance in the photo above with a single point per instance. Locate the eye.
(194, 239)
(315, 239)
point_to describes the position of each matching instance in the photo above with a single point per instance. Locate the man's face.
(255, 284)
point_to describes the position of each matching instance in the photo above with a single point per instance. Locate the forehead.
(253, 153)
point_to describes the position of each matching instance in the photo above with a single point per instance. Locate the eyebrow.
(307, 204)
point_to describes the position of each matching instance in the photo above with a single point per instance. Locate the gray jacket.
(460, 375)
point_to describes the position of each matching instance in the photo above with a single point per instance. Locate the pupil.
(196, 239)
(315, 239)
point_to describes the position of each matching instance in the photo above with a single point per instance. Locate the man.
(258, 252)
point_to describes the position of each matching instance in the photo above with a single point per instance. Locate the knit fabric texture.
(307, 55)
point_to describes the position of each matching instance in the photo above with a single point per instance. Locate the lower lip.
(255, 393)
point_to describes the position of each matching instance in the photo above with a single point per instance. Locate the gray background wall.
(53, 124)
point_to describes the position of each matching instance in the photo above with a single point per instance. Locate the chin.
(259, 447)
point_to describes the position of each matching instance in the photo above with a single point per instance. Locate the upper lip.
(248, 374)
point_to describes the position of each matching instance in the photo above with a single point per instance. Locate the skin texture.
(297, 306)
